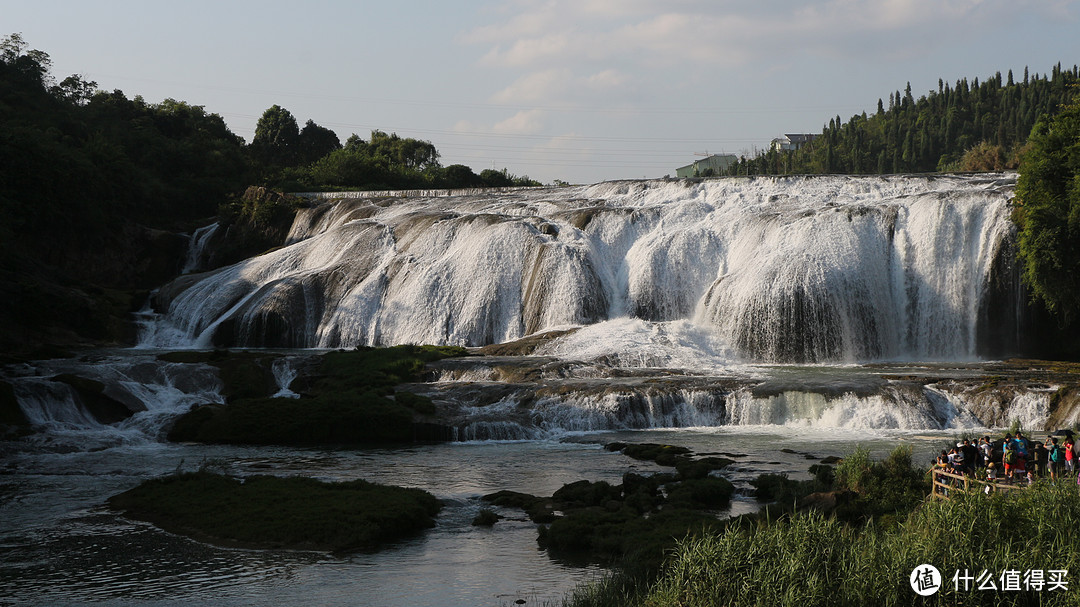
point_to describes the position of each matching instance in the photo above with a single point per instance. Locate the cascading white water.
(197, 247)
(894, 408)
(285, 372)
(153, 391)
(785, 268)
(49, 403)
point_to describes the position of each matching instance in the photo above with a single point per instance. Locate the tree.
(1048, 211)
(495, 179)
(397, 153)
(315, 142)
(461, 176)
(75, 89)
(32, 64)
(276, 137)
(933, 132)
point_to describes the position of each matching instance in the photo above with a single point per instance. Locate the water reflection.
(59, 545)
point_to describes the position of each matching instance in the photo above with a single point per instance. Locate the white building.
(792, 141)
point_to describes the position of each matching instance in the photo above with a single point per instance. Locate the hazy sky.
(578, 90)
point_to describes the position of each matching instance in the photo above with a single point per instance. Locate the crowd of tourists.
(1014, 459)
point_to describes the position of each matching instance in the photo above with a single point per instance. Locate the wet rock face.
(11, 415)
(93, 398)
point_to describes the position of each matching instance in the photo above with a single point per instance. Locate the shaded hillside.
(93, 187)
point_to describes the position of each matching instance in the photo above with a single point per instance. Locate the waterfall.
(892, 406)
(284, 373)
(824, 268)
(49, 403)
(153, 392)
(197, 247)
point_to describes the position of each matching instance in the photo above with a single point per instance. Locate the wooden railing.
(945, 482)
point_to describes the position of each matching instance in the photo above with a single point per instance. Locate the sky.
(580, 91)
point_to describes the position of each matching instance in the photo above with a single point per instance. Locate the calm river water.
(59, 545)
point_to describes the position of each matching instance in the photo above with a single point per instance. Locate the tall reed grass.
(807, 560)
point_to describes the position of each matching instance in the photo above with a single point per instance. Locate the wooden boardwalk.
(945, 482)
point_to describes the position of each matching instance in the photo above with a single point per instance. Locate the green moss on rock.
(273, 512)
(634, 523)
(539, 509)
(420, 404)
(329, 419)
(243, 374)
(485, 518)
(346, 401)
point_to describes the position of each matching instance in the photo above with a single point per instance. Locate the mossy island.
(632, 524)
(280, 513)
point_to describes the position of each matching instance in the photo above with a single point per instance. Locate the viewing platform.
(945, 482)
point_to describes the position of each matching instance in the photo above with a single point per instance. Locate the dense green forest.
(1047, 211)
(979, 126)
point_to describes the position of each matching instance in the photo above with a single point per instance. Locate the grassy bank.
(272, 512)
(807, 559)
(350, 398)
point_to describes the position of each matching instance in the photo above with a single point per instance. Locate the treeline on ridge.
(313, 159)
(977, 126)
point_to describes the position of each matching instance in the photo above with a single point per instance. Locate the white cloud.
(560, 86)
(466, 127)
(519, 26)
(529, 51)
(694, 32)
(525, 122)
(607, 79)
(536, 87)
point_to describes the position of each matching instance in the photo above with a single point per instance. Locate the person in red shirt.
(1070, 457)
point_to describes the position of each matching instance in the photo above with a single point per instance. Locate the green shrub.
(892, 485)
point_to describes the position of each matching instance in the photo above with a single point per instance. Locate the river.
(60, 545)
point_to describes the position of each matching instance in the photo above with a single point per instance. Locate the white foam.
(828, 268)
(635, 343)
